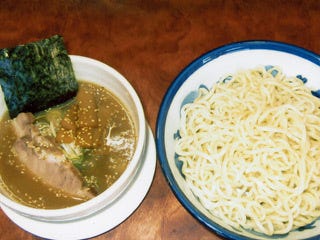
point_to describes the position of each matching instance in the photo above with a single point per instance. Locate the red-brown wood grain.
(150, 42)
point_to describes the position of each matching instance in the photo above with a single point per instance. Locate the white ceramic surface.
(206, 70)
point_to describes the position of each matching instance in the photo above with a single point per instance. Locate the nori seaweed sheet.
(36, 76)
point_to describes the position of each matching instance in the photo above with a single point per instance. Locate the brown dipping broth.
(103, 164)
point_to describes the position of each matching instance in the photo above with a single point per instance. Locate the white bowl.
(99, 73)
(205, 70)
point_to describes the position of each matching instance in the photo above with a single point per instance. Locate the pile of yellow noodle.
(250, 149)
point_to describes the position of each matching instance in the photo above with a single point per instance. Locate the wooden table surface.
(150, 42)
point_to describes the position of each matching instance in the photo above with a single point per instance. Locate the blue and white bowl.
(204, 71)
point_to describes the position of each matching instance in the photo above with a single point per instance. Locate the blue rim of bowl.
(174, 87)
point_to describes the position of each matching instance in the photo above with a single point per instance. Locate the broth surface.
(100, 166)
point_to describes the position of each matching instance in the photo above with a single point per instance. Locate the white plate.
(104, 220)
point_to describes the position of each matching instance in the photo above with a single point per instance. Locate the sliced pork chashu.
(43, 157)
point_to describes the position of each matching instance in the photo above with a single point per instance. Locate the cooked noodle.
(250, 149)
